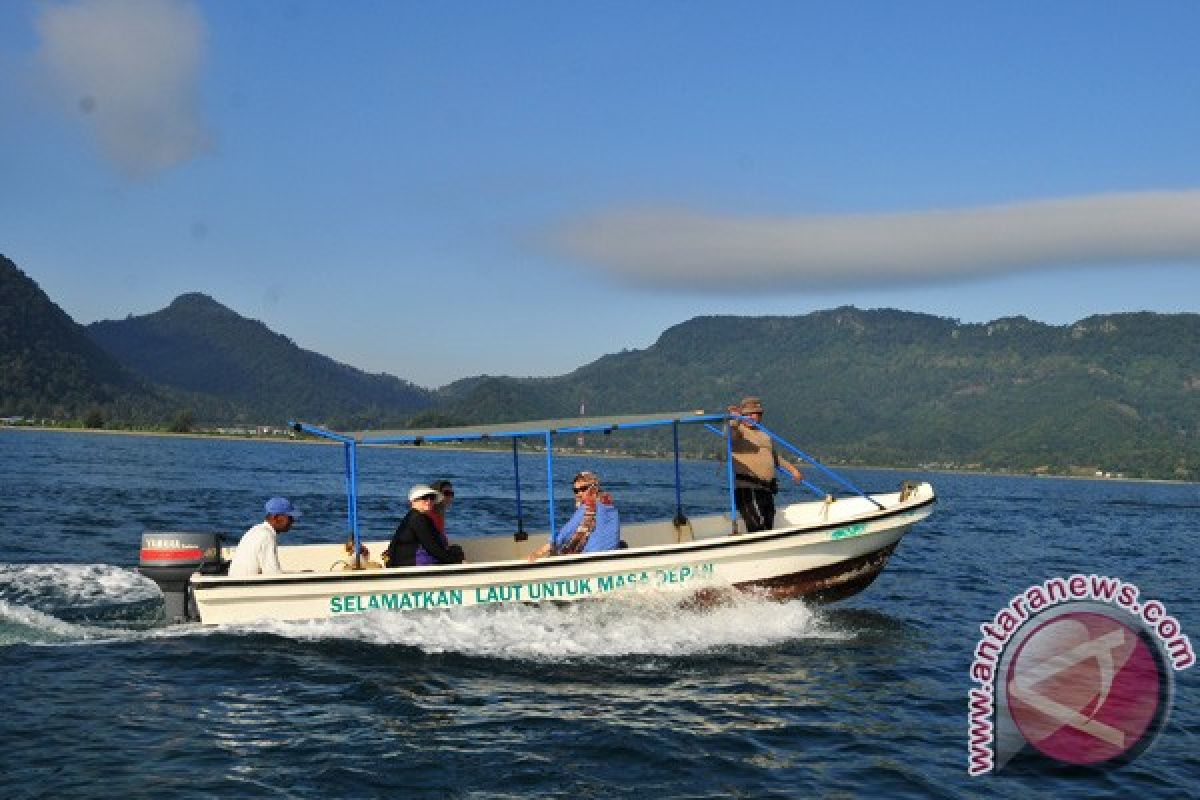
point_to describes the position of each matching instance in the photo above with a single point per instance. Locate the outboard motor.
(170, 558)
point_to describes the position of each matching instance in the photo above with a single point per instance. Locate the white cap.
(421, 490)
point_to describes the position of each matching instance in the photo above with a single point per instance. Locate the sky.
(441, 190)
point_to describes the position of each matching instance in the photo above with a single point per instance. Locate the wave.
(73, 585)
(1156, 505)
(654, 625)
(23, 625)
(64, 604)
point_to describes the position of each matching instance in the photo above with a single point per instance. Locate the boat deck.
(479, 549)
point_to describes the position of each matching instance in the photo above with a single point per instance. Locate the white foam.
(75, 584)
(20, 623)
(31, 595)
(23, 625)
(637, 625)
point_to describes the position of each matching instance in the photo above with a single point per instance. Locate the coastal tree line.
(1118, 393)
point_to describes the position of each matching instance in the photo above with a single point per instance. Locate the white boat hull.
(818, 550)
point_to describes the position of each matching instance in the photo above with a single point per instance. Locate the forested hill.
(49, 366)
(199, 346)
(1117, 392)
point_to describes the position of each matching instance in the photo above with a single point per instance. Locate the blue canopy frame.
(547, 430)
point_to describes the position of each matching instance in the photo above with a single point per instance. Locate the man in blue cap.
(257, 553)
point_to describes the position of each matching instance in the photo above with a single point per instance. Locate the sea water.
(631, 697)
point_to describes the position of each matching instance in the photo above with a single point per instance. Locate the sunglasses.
(582, 489)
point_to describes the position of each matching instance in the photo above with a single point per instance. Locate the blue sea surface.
(623, 698)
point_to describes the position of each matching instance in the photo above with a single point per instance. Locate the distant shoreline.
(165, 434)
(286, 439)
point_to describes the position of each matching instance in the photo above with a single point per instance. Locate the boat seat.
(220, 567)
(683, 530)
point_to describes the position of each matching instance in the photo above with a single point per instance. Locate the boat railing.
(836, 477)
(546, 430)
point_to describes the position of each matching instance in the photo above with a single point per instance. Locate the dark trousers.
(757, 507)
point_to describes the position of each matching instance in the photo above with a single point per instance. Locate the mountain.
(1118, 392)
(237, 369)
(49, 366)
(1114, 392)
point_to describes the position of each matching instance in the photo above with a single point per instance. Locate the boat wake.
(64, 604)
(54, 603)
(650, 624)
(23, 625)
(73, 585)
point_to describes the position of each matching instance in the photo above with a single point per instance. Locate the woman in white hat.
(417, 541)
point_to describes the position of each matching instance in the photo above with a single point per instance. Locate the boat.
(823, 549)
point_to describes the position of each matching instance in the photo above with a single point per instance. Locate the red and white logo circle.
(1085, 688)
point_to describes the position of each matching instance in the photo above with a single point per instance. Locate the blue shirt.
(606, 536)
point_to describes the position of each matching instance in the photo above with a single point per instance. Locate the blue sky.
(439, 190)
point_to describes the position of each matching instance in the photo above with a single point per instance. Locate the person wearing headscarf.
(593, 528)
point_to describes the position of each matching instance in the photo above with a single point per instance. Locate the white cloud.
(131, 68)
(676, 248)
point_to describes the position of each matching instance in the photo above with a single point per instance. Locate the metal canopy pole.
(729, 476)
(810, 486)
(843, 480)
(680, 519)
(550, 480)
(351, 452)
(520, 535)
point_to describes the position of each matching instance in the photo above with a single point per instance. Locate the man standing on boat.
(754, 463)
(258, 552)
